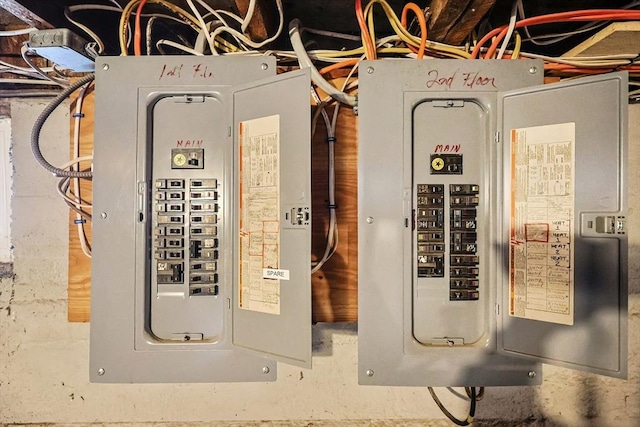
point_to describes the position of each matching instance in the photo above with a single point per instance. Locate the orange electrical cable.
(137, 34)
(423, 27)
(339, 65)
(588, 70)
(369, 46)
(576, 16)
(573, 16)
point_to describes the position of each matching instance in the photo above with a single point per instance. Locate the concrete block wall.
(44, 359)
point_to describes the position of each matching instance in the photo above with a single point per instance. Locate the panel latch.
(598, 225)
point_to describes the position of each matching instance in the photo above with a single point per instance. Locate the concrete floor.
(44, 359)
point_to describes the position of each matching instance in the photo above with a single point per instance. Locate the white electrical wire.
(247, 41)
(226, 13)
(75, 165)
(26, 69)
(178, 46)
(305, 61)
(332, 230)
(332, 233)
(29, 82)
(23, 50)
(20, 32)
(11, 70)
(87, 30)
(218, 13)
(586, 62)
(512, 25)
(248, 16)
(203, 25)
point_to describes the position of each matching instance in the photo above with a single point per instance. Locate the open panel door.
(564, 288)
(272, 284)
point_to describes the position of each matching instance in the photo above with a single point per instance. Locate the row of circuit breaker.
(186, 234)
(463, 237)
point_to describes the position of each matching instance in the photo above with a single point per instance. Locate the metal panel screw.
(264, 66)
(532, 374)
(265, 370)
(370, 70)
(101, 371)
(103, 215)
(370, 220)
(105, 67)
(533, 70)
(369, 372)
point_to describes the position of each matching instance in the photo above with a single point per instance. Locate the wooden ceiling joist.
(452, 21)
(259, 25)
(29, 12)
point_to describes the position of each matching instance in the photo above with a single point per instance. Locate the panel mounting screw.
(370, 220)
(103, 215)
(532, 374)
(533, 70)
(369, 372)
(101, 371)
(264, 66)
(265, 370)
(370, 70)
(105, 67)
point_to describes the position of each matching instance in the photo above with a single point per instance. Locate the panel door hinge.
(496, 137)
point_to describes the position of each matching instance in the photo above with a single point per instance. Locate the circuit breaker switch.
(205, 219)
(206, 266)
(204, 195)
(446, 164)
(199, 231)
(204, 183)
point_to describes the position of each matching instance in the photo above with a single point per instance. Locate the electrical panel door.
(182, 158)
(273, 312)
(564, 290)
(438, 289)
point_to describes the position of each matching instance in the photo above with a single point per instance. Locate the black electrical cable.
(479, 394)
(39, 123)
(472, 408)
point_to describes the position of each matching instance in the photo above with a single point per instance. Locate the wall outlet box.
(62, 47)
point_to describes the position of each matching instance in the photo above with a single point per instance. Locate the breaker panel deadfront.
(491, 223)
(201, 262)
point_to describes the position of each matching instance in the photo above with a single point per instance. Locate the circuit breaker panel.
(483, 241)
(200, 273)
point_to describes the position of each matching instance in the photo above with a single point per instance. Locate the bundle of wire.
(219, 31)
(579, 65)
(211, 25)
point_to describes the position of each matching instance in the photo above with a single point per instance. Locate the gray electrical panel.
(201, 239)
(491, 217)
